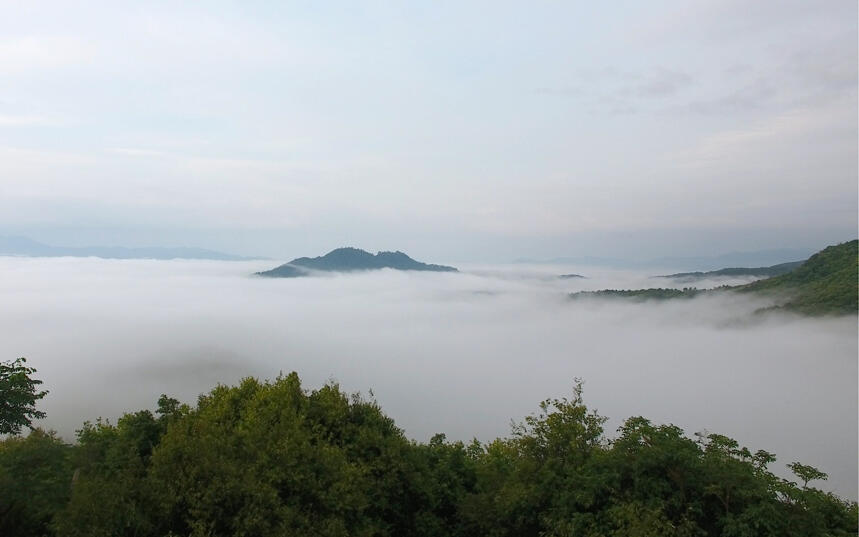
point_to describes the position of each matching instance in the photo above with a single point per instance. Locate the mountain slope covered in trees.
(825, 284)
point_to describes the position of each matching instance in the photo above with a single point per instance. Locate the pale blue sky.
(453, 131)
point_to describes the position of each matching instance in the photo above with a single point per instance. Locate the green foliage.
(18, 396)
(111, 495)
(35, 480)
(806, 473)
(268, 458)
(825, 284)
(271, 458)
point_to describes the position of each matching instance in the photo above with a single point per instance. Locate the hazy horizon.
(461, 132)
(678, 260)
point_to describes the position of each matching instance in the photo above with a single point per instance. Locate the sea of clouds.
(461, 353)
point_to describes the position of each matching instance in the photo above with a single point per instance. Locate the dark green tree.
(806, 473)
(35, 481)
(18, 395)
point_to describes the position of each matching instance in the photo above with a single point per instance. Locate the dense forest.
(825, 284)
(273, 458)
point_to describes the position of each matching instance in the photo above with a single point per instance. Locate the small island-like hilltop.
(350, 260)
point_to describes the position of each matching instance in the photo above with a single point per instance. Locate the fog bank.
(460, 353)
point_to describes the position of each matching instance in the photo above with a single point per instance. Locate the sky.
(454, 131)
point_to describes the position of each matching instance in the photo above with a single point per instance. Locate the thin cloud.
(137, 152)
(21, 54)
(26, 121)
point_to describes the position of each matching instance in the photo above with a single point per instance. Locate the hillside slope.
(825, 284)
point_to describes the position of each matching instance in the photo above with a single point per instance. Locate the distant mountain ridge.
(350, 260)
(760, 258)
(775, 270)
(25, 247)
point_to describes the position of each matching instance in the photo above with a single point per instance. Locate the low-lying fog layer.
(456, 353)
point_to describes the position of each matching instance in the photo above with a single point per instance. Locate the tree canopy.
(274, 458)
(18, 395)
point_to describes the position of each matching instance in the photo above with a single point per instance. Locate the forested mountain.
(825, 284)
(348, 260)
(775, 270)
(272, 458)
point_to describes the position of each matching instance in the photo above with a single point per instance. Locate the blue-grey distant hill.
(24, 247)
(760, 258)
(765, 272)
(350, 260)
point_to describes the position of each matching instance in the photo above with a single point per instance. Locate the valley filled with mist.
(456, 353)
(463, 269)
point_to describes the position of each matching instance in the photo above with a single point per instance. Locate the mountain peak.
(350, 259)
